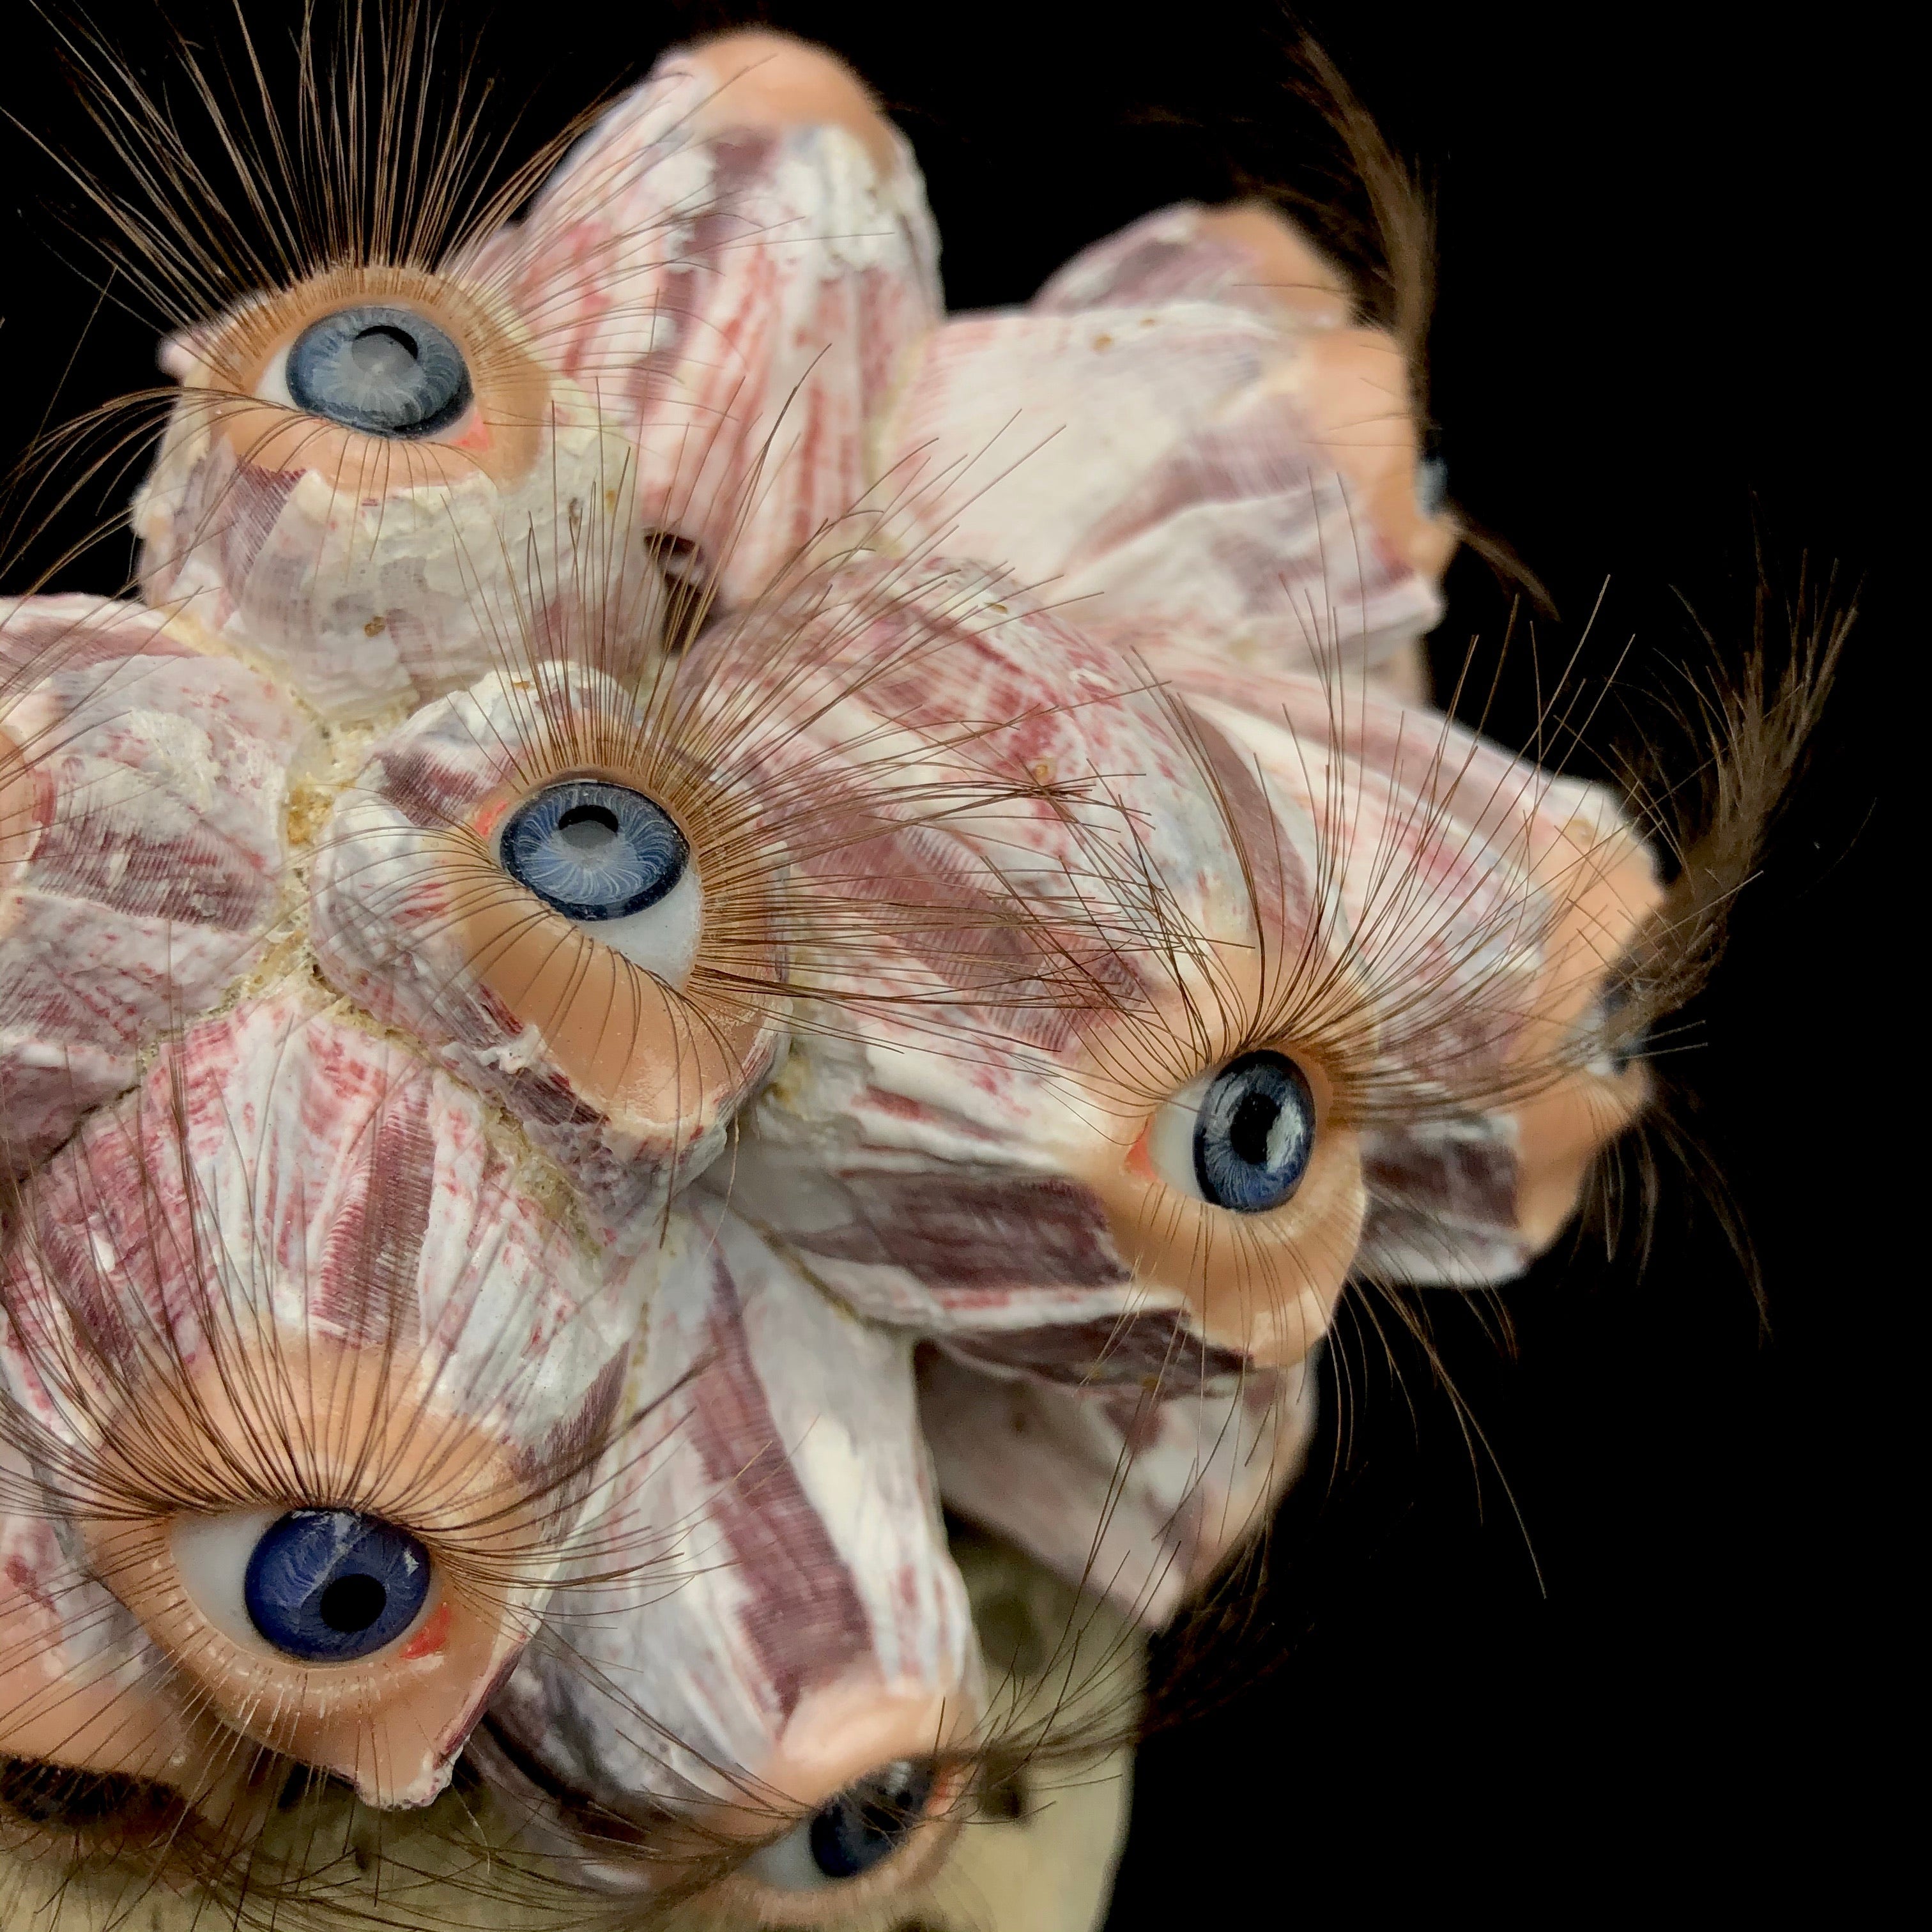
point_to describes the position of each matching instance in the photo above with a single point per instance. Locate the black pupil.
(352, 1604)
(862, 1825)
(384, 351)
(1254, 1116)
(588, 828)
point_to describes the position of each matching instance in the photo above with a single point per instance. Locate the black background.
(1629, 1636)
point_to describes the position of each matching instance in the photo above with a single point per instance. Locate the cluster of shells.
(1028, 709)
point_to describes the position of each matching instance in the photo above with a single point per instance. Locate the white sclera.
(1171, 1142)
(786, 1864)
(273, 386)
(663, 938)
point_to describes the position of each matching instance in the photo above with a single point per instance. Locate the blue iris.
(593, 851)
(387, 371)
(330, 1585)
(1254, 1133)
(868, 1821)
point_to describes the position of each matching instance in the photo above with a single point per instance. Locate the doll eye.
(1240, 1138)
(592, 850)
(385, 371)
(1432, 485)
(852, 1834)
(320, 1585)
(608, 857)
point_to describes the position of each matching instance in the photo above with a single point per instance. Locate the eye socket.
(852, 1834)
(1241, 1137)
(320, 1585)
(385, 371)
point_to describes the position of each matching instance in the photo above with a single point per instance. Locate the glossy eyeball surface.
(381, 369)
(329, 1586)
(1432, 487)
(853, 1833)
(594, 850)
(1254, 1131)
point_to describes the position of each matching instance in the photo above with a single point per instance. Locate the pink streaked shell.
(389, 590)
(793, 1618)
(741, 297)
(136, 887)
(1139, 1496)
(281, 1174)
(1153, 463)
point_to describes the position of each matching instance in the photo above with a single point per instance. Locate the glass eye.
(1431, 486)
(328, 1586)
(592, 850)
(853, 1833)
(1253, 1129)
(386, 370)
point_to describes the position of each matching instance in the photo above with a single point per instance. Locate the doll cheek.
(57, 1706)
(390, 1725)
(1355, 388)
(1607, 890)
(1559, 1135)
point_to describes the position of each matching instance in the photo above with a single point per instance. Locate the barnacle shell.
(296, 1268)
(141, 847)
(1184, 450)
(794, 1619)
(1130, 1492)
(743, 251)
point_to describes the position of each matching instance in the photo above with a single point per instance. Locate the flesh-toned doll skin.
(81, 1684)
